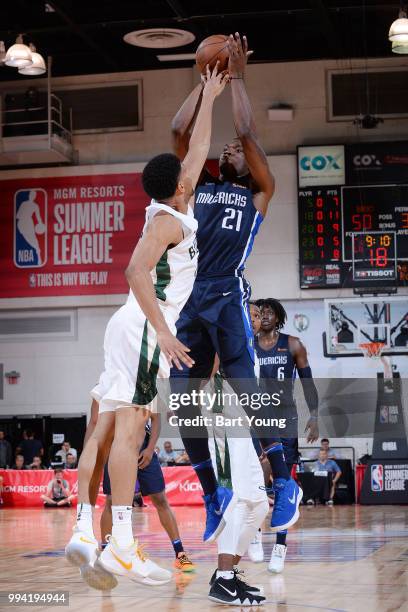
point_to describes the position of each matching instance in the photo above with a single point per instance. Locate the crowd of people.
(29, 454)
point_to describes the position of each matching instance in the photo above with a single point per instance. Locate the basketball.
(213, 49)
(39, 228)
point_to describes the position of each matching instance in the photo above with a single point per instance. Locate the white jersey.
(174, 274)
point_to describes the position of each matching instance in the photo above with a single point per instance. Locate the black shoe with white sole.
(238, 574)
(232, 592)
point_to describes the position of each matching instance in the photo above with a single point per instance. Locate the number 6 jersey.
(227, 225)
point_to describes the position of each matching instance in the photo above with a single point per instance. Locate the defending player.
(229, 210)
(280, 357)
(139, 346)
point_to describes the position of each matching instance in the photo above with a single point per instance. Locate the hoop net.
(372, 350)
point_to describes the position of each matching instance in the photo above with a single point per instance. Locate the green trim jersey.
(134, 364)
(174, 275)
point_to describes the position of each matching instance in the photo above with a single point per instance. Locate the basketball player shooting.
(140, 346)
(229, 210)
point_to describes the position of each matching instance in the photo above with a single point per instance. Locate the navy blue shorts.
(150, 479)
(216, 319)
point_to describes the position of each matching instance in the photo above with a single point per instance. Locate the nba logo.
(30, 228)
(377, 478)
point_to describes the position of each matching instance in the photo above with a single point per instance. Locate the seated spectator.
(183, 458)
(37, 464)
(167, 454)
(66, 448)
(58, 493)
(5, 451)
(19, 463)
(30, 447)
(325, 445)
(324, 464)
(70, 462)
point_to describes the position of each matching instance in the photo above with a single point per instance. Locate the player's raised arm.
(200, 140)
(245, 125)
(184, 120)
(163, 231)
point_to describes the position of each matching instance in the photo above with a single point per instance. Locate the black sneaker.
(238, 574)
(232, 592)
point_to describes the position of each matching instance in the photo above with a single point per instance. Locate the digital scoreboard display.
(353, 233)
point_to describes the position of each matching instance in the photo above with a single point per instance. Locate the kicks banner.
(24, 488)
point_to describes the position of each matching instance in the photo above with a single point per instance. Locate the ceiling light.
(399, 29)
(159, 38)
(19, 55)
(38, 65)
(176, 57)
(400, 47)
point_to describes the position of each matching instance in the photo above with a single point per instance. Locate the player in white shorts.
(247, 479)
(140, 346)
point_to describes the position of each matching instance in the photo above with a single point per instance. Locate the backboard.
(350, 322)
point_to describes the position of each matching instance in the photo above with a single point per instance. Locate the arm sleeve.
(309, 389)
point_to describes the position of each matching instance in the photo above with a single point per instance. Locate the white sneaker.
(132, 563)
(83, 552)
(277, 562)
(255, 549)
(82, 549)
(310, 502)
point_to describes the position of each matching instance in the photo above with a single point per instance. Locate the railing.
(45, 120)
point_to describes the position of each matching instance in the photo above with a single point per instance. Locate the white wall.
(300, 84)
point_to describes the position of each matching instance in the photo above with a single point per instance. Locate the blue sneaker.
(288, 496)
(218, 506)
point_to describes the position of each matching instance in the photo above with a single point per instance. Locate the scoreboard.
(353, 215)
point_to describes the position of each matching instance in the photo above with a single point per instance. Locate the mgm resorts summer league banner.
(68, 235)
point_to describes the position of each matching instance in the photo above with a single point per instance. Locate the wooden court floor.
(351, 558)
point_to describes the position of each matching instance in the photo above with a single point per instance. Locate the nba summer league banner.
(68, 235)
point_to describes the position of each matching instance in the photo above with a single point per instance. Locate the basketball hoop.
(372, 350)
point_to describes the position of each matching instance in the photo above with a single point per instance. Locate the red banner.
(23, 488)
(68, 235)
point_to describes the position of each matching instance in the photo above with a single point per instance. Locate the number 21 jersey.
(227, 225)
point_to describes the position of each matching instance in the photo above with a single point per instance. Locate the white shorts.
(134, 365)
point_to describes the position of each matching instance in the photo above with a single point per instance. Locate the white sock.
(84, 518)
(122, 525)
(227, 575)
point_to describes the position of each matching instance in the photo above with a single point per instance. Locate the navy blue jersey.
(227, 224)
(277, 369)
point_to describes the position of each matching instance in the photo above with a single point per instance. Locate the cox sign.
(321, 166)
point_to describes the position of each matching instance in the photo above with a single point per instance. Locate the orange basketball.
(213, 49)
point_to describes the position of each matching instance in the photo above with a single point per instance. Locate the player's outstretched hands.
(312, 429)
(238, 55)
(175, 351)
(214, 82)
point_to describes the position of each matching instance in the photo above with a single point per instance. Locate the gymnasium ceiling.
(85, 36)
